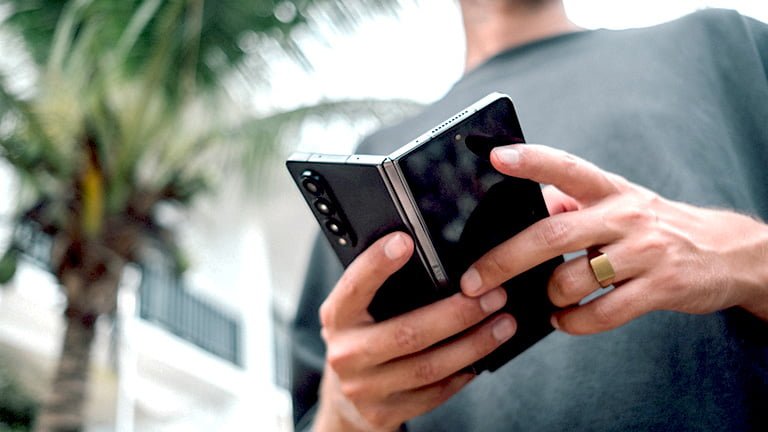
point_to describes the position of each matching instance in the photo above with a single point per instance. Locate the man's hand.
(666, 255)
(378, 375)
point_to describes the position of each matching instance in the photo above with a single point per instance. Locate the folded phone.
(442, 190)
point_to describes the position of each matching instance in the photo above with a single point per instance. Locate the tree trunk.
(63, 409)
(91, 286)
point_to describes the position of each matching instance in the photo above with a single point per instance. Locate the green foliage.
(8, 264)
(127, 114)
(228, 27)
(126, 111)
(17, 408)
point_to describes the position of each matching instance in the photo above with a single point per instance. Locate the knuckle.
(378, 418)
(447, 390)
(407, 337)
(652, 245)
(555, 292)
(629, 216)
(339, 357)
(334, 359)
(567, 279)
(571, 163)
(620, 182)
(553, 232)
(366, 351)
(425, 372)
(495, 263)
(483, 343)
(636, 215)
(327, 313)
(349, 283)
(562, 285)
(353, 391)
(603, 315)
(465, 312)
(674, 281)
(653, 200)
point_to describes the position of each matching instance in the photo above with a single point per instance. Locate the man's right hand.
(380, 374)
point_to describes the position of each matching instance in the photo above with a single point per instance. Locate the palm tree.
(126, 113)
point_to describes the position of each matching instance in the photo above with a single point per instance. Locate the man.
(680, 343)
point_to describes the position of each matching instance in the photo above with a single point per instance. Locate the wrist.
(330, 416)
(755, 271)
(328, 420)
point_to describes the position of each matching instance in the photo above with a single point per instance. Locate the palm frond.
(226, 24)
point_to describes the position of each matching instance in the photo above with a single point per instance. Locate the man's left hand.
(666, 255)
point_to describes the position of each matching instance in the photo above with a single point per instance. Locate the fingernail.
(471, 281)
(395, 247)
(503, 330)
(507, 155)
(493, 301)
(554, 322)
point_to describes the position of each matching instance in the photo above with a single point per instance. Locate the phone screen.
(467, 206)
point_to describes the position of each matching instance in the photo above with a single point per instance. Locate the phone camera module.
(335, 227)
(324, 207)
(311, 182)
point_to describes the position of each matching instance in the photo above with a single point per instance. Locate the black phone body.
(442, 190)
(363, 209)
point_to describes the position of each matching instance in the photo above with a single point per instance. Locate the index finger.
(544, 240)
(576, 177)
(347, 304)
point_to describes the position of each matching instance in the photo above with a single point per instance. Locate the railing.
(282, 347)
(163, 300)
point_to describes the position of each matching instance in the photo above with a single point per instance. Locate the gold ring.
(602, 269)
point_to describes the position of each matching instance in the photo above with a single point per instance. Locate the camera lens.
(311, 186)
(323, 206)
(335, 227)
(311, 182)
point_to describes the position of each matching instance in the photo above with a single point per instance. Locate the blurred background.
(150, 232)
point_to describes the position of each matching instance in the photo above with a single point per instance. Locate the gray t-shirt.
(681, 108)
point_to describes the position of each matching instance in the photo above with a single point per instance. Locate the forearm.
(327, 418)
(334, 413)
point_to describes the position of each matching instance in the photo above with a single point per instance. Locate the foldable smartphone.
(442, 190)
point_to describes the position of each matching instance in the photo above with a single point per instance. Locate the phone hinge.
(409, 212)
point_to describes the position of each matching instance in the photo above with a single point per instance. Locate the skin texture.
(488, 24)
(667, 255)
(379, 375)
